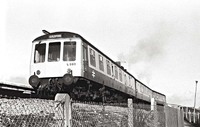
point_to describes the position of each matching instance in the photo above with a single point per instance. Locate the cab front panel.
(54, 58)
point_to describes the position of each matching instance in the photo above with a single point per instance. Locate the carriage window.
(92, 58)
(120, 75)
(40, 50)
(54, 52)
(69, 51)
(116, 72)
(108, 67)
(125, 79)
(101, 63)
(141, 89)
(130, 80)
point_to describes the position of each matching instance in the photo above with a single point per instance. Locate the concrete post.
(194, 117)
(186, 112)
(65, 99)
(154, 109)
(153, 104)
(181, 124)
(189, 113)
(130, 113)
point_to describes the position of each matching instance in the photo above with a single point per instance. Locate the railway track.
(15, 90)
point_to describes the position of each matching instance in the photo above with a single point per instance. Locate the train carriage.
(143, 92)
(66, 62)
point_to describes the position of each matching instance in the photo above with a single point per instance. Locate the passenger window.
(69, 51)
(54, 52)
(39, 55)
(101, 67)
(125, 79)
(130, 80)
(92, 58)
(141, 89)
(108, 67)
(116, 72)
(120, 75)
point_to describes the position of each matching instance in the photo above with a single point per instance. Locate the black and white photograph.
(99, 63)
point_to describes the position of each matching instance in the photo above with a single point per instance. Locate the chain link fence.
(50, 113)
(30, 113)
(99, 115)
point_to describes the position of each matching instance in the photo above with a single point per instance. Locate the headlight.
(34, 81)
(68, 79)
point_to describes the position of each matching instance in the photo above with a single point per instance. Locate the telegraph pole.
(195, 96)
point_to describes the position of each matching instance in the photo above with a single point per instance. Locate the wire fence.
(99, 115)
(30, 113)
(50, 113)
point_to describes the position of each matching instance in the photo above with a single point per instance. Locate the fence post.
(189, 113)
(154, 109)
(130, 113)
(65, 99)
(194, 116)
(182, 117)
(186, 112)
(153, 104)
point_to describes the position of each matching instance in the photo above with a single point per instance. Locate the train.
(65, 62)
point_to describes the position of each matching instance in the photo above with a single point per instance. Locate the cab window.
(54, 52)
(69, 51)
(39, 55)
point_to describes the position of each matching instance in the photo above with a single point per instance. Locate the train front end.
(55, 63)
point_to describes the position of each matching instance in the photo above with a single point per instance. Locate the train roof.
(62, 34)
(158, 93)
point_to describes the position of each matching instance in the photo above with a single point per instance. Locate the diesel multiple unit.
(66, 62)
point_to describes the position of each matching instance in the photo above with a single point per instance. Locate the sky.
(159, 41)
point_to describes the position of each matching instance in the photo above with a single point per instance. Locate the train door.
(85, 61)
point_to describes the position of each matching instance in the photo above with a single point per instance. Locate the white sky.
(159, 40)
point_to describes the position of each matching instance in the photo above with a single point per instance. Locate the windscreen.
(54, 52)
(69, 51)
(39, 55)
